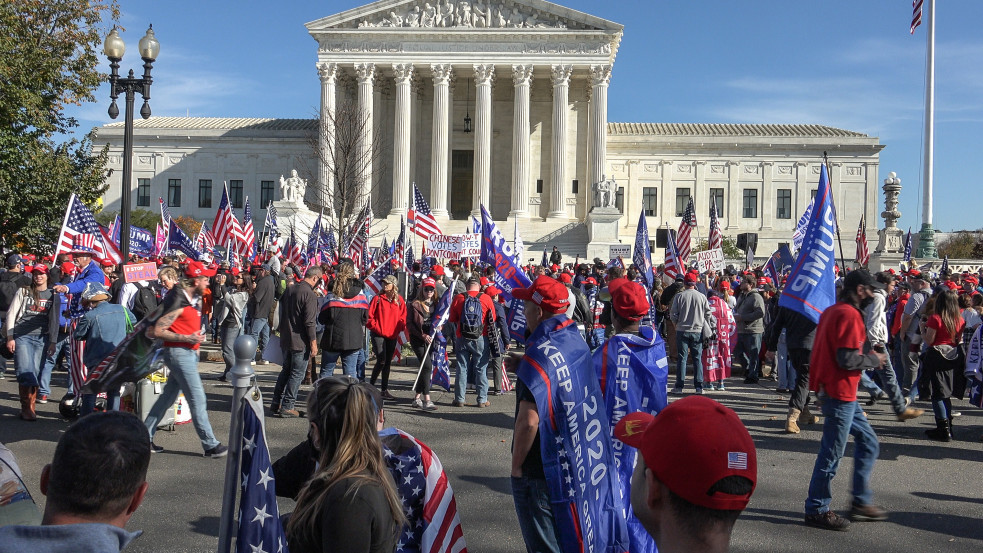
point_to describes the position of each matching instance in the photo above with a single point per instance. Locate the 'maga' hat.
(547, 292)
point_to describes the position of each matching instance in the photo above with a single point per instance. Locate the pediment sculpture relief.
(474, 14)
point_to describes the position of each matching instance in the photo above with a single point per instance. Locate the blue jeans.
(29, 353)
(750, 348)
(472, 355)
(288, 381)
(687, 342)
(843, 418)
(61, 346)
(531, 497)
(889, 383)
(228, 338)
(349, 363)
(868, 385)
(260, 329)
(184, 377)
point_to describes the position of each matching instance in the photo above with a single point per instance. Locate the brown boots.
(796, 417)
(28, 395)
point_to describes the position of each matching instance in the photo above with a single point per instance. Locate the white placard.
(710, 260)
(620, 250)
(454, 246)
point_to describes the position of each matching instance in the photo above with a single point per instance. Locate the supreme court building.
(502, 104)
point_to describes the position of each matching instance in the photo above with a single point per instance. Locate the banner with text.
(710, 260)
(454, 246)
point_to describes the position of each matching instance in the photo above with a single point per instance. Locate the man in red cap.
(689, 496)
(555, 385)
(692, 317)
(179, 326)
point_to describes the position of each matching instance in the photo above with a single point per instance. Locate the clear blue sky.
(841, 63)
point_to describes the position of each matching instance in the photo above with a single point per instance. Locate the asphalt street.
(934, 491)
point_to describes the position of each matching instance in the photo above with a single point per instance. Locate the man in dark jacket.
(750, 315)
(259, 306)
(556, 258)
(800, 332)
(298, 340)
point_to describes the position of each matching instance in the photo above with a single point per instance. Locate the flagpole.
(832, 204)
(926, 237)
(426, 352)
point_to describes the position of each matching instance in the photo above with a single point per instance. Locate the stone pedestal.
(294, 216)
(890, 240)
(602, 231)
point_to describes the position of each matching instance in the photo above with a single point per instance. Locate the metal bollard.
(242, 379)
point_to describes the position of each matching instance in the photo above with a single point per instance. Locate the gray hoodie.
(65, 538)
(750, 313)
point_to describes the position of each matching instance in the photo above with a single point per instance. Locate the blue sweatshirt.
(65, 538)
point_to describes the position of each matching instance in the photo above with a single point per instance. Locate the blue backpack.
(472, 321)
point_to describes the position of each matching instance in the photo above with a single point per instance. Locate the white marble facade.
(533, 77)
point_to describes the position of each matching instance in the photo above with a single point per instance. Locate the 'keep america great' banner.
(497, 252)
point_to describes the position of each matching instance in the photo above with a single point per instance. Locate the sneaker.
(867, 513)
(699, 391)
(287, 414)
(909, 414)
(387, 396)
(827, 521)
(3, 376)
(217, 451)
(457, 403)
(485, 404)
(417, 403)
(154, 448)
(42, 399)
(956, 414)
(676, 392)
(429, 406)
(721, 387)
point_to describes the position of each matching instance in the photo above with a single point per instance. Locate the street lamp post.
(114, 48)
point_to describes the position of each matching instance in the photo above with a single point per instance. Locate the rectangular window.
(750, 203)
(650, 200)
(784, 203)
(173, 192)
(812, 195)
(539, 186)
(619, 199)
(575, 187)
(204, 193)
(682, 200)
(265, 193)
(235, 193)
(143, 192)
(717, 197)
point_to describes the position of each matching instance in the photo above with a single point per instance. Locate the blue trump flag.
(907, 246)
(575, 442)
(811, 286)
(497, 252)
(642, 256)
(633, 372)
(178, 240)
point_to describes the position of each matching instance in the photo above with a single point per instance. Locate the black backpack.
(8, 289)
(145, 301)
(472, 323)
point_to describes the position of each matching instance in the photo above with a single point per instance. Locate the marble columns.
(442, 74)
(401, 139)
(328, 73)
(600, 76)
(365, 73)
(483, 76)
(558, 174)
(521, 79)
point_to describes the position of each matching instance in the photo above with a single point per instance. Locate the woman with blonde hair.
(350, 505)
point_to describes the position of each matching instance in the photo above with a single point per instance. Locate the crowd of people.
(900, 337)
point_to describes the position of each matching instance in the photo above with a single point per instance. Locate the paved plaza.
(933, 491)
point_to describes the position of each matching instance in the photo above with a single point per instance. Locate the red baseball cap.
(429, 282)
(484, 281)
(565, 278)
(951, 285)
(68, 268)
(234, 271)
(591, 281)
(492, 291)
(692, 466)
(725, 285)
(437, 270)
(107, 263)
(546, 292)
(40, 268)
(630, 301)
(197, 269)
(692, 277)
(762, 281)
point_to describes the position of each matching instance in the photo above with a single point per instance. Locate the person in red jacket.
(472, 353)
(387, 319)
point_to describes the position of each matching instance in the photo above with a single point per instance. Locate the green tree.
(728, 245)
(143, 218)
(960, 245)
(48, 60)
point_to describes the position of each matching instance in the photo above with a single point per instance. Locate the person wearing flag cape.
(633, 371)
(561, 450)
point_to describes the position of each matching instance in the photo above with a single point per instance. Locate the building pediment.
(477, 15)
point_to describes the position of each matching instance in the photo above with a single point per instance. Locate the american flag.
(507, 385)
(269, 225)
(79, 220)
(295, 252)
(432, 522)
(360, 235)
(331, 245)
(686, 227)
(76, 351)
(399, 247)
(165, 213)
(260, 528)
(226, 227)
(673, 266)
(916, 14)
(114, 230)
(441, 365)
(374, 280)
(248, 233)
(716, 238)
(420, 218)
(409, 259)
(737, 460)
(863, 253)
(314, 239)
